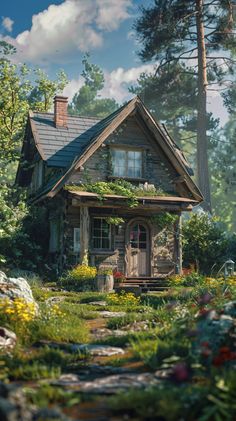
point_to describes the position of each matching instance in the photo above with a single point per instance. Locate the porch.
(143, 251)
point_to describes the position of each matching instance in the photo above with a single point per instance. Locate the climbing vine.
(118, 187)
(163, 219)
(114, 220)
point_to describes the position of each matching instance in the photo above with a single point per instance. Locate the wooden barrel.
(105, 283)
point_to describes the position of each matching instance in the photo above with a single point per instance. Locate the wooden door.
(138, 250)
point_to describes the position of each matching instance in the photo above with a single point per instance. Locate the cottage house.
(133, 230)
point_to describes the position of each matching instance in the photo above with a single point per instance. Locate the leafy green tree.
(17, 95)
(14, 91)
(177, 31)
(86, 101)
(42, 94)
(205, 242)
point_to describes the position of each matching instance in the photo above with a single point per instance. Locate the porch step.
(147, 283)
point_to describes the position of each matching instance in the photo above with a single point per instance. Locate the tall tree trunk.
(202, 153)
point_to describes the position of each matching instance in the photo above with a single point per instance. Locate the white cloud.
(7, 23)
(66, 28)
(72, 87)
(116, 83)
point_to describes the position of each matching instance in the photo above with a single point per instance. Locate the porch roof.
(144, 199)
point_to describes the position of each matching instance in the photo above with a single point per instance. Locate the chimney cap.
(60, 98)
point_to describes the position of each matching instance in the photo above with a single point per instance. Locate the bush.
(81, 277)
(205, 242)
(16, 313)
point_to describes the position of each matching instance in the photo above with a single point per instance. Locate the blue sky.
(56, 34)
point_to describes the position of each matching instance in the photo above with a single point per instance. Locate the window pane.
(105, 243)
(96, 243)
(118, 162)
(142, 245)
(97, 223)
(101, 233)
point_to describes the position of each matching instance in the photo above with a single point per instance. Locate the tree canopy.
(201, 36)
(86, 101)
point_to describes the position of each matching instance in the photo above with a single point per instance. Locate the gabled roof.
(59, 146)
(71, 147)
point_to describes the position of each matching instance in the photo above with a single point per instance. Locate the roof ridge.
(69, 115)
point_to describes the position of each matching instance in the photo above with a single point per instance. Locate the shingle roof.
(59, 146)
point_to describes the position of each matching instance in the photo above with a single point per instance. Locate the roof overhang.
(144, 202)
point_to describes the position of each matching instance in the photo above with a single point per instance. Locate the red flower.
(119, 275)
(180, 372)
(224, 350)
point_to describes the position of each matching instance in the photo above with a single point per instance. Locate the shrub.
(123, 299)
(81, 277)
(17, 312)
(82, 273)
(205, 242)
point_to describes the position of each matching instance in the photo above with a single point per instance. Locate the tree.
(86, 101)
(176, 31)
(18, 237)
(174, 107)
(17, 96)
(42, 94)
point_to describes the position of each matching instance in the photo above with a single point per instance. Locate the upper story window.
(101, 234)
(127, 163)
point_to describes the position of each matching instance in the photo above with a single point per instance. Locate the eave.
(145, 202)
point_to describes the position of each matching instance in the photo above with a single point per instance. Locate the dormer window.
(127, 163)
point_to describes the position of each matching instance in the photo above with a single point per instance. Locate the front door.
(138, 250)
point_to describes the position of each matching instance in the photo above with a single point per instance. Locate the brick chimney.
(60, 111)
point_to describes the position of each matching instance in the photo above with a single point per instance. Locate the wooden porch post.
(84, 234)
(180, 254)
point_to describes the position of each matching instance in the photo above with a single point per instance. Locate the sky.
(54, 35)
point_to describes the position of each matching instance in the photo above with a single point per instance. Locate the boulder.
(15, 288)
(7, 339)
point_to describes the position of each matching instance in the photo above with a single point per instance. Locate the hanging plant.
(163, 219)
(114, 220)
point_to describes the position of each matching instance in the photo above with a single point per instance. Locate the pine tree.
(199, 33)
(86, 101)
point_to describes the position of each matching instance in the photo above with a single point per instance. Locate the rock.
(98, 350)
(117, 382)
(101, 333)
(107, 314)
(68, 379)
(15, 288)
(98, 303)
(13, 404)
(50, 414)
(55, 300)
(8, 339)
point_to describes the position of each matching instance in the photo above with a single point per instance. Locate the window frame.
(100, 238)
(126, 150)
(55, 232)
(76, 244)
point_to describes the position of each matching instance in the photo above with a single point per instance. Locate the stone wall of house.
(156, 169)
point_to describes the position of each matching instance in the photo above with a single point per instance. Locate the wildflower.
(180, 372)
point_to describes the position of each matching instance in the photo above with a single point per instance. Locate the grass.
(42, 363)
(47, 395)
(177, 324)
